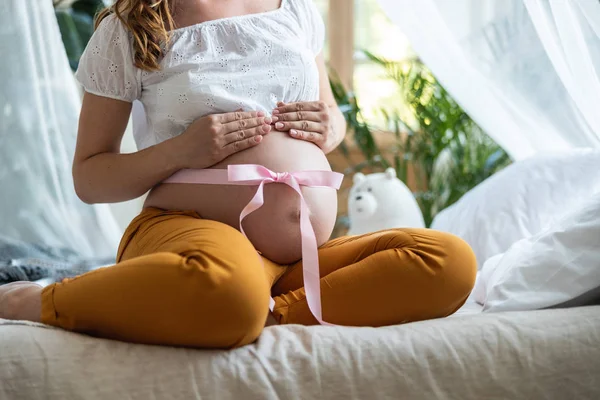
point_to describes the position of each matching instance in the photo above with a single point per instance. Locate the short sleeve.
(106, 67)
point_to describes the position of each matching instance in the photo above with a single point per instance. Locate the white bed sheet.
(550, 354)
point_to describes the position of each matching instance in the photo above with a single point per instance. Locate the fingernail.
(275, 119)
(257, 138)
(293, 132)
(279, 125)
(275, 111)
(281, 103)
(260, 114)
(266, 128)
(268, 120)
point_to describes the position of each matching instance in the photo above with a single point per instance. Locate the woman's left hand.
(310, 121)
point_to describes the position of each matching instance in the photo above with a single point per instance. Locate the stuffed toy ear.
(358, 177)
(390, 173)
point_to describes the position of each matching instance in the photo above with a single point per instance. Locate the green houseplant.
(76, 23)
(433, 138)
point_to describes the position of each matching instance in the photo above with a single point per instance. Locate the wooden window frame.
(340, 27)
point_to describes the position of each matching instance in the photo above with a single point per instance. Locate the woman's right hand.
(212, 138)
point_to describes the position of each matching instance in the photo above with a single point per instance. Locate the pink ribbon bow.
(252, 174)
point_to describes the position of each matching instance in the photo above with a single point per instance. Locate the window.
(323, 6)
(352, 28)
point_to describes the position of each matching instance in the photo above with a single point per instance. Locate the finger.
(247, 133)
(300, 125)
(316, 116)
(240, 145)
(239, 115)
(301, 106)
(308, 136)
(248, 123)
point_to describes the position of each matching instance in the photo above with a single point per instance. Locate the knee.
(245, 307)
(236, 300)
(447, 257)
(456, 264)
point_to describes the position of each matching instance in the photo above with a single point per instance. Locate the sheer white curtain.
(528, 71)
(39, 107)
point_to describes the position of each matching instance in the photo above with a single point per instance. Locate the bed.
(545, 354)
(499, 350)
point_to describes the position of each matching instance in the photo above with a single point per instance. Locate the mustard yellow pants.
(186, 281)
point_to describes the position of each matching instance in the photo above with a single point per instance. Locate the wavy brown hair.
(150, 22)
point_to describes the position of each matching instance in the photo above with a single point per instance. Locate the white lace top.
(249, 62)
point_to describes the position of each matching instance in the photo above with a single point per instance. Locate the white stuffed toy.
(381, 201)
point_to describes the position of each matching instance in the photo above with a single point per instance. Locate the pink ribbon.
(252, 174)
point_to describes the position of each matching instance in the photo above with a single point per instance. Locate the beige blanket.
(552, 354)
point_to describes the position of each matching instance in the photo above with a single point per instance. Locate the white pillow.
(556, 266)
(521, 200)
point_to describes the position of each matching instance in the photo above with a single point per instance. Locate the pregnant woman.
(233, 101)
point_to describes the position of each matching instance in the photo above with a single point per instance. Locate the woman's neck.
(191, 12)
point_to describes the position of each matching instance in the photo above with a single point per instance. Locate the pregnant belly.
(274, 229)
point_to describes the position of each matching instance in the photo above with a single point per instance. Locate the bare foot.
(21, 300)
